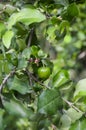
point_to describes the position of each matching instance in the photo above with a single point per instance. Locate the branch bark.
(30, 37)
(35, 79)
(5, 79)
(71, 105)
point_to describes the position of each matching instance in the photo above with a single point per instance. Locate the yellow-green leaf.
(7, 37)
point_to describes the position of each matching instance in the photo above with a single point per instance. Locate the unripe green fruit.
(44, 72)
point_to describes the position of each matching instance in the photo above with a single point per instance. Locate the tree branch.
(71, 105)
(35, 79)
(30, 37)
(5, 80)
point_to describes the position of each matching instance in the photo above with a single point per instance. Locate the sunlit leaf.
(27, 16)
(67, 38)
(51, 33)
(79, 125)
(70, 117)
(74, 115)
(80, 89)
(7, 37)
(60, 78)
(66, 122)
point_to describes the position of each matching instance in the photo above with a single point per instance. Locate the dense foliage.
(42, 65)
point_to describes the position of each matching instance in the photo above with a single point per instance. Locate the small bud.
(31, 60)
(37, 61)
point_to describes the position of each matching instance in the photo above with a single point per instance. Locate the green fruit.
(44, 72)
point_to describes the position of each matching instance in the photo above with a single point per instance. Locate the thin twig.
(5, 80)
(30, 77)
(53, 127)
(30, 37)
(71, 105)
(35, 79)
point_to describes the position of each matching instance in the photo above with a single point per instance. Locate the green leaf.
(60, 78)
(26, 53)
(42, 54)
(62, 2)
(7, 37)
(21, 85)
(80, 89)
(2, 28)
(21, 44)
(51, 33)
(79, 125)
(70, 12)
(34, 50)
(27, 16)
(1, 119)
(22, 63)
(15, 107)
(9, 9)
(70, 117)
(49, 102)
(64, 26)
(1, 6)
(73, 10)
(66, 122)
(74, 115)
(67, 38)
(4, 66)
(64, 15)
